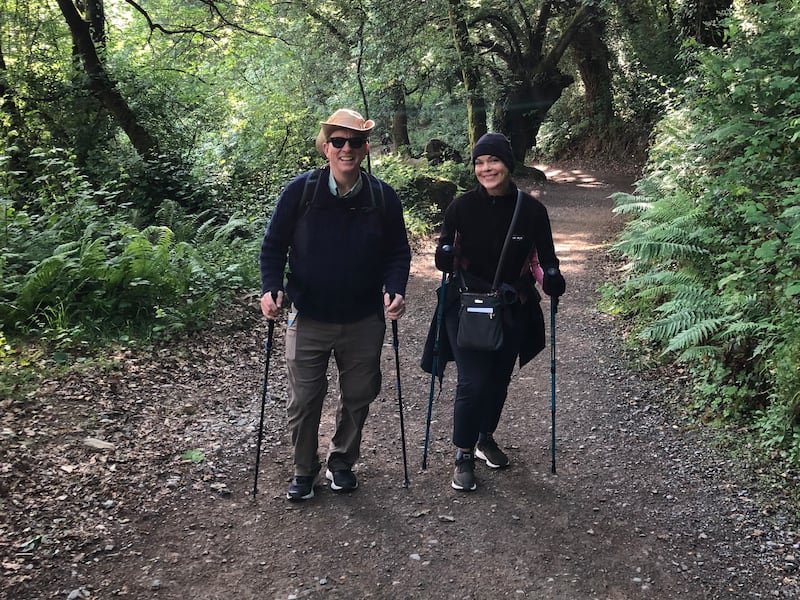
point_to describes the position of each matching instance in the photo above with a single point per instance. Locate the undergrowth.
(713, 247)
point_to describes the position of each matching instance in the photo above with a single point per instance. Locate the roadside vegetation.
(714, 246)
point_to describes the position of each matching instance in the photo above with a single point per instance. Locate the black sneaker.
(488, 450)
(464, 475)
(342, 480)
(301, 488)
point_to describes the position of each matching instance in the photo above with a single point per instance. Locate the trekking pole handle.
(391, 299)
(447, 250)
(552, 272)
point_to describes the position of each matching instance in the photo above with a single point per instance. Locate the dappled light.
(579, 177)
(573, 250)
(147, 151)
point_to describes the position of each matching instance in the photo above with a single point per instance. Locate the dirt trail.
(641, 507)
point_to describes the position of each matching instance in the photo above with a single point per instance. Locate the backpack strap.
(310, 188)
(377, 193)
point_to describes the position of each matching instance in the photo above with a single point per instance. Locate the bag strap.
(496, 282)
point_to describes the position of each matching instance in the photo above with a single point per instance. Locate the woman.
(472, 237)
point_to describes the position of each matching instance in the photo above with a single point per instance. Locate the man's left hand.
(395, 306)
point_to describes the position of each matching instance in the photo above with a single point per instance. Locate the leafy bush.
(714, 245)
(422, 202)
(74, 267)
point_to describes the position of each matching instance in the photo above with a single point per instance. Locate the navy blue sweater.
(343, 253)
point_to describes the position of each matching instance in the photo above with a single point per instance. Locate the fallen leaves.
(98, 444)
(89, 450)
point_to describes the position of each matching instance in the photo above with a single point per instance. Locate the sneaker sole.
(461, 488)
(490, 464)
(338, 488)
(308, 496)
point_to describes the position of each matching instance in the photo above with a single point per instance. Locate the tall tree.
(467, 55)
(522, 54)
(702, 20)
(592, 57)
(400, 137)
(102, 84)
(11, 121)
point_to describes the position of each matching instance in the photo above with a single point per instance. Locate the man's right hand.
(271, 304)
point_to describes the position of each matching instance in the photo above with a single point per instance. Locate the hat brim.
(328, 128)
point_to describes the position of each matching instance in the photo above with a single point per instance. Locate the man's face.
(347, 159)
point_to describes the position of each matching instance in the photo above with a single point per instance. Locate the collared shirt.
(351, 192)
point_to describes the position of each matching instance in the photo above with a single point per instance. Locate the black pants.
(483, 377)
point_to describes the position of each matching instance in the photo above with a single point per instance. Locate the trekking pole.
(268, 350)
(553, 310)
(395, 345)
(435, 361)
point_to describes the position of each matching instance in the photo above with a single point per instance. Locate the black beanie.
(495, 144)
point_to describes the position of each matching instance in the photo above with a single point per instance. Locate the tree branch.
(209, 33)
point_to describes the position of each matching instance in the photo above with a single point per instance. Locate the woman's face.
(493, 174)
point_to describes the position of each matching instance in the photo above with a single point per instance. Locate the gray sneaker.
(342, 480)
(464, 474)
(488, 451)
(301, 488)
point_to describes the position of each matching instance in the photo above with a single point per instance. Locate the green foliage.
(423, 205)
(74, 267)
(644, 42)
(195, 455)
(714, 241)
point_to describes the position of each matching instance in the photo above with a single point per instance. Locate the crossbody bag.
(480, 323)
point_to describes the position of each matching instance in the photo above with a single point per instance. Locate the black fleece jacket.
(475, 225)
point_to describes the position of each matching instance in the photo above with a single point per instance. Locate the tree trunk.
(537, 81)
(400, 137)
(701, 20)
(525, 107)
(12, 127)
(476, 104)
(102, 85)
(95, 16)
(592, 56)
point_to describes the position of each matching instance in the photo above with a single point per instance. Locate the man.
(343, 233)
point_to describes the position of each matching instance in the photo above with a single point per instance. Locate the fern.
(42, 284)
(626, 204)
(697, 333)
(658, 250)
(666, 328)
(695, 354)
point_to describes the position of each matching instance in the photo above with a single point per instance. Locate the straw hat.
(344, 118)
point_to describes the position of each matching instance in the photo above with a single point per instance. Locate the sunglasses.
(355, 142)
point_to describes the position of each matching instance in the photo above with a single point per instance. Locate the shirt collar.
(351, 192)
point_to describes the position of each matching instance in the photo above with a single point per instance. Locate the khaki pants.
(356, 348)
